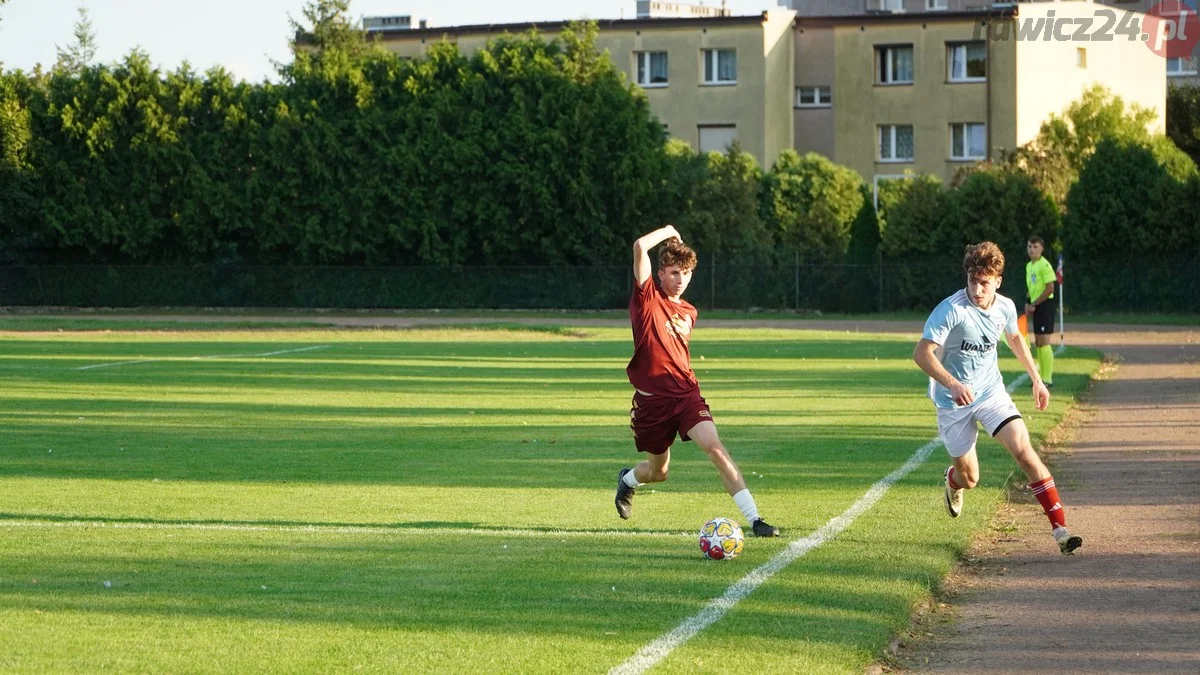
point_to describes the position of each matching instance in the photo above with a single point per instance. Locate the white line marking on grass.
(656, 651)
(196, 358)
(118, 363)
(245, 356)
(329, 529)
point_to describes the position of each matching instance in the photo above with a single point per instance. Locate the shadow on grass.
(531, 587)
(483, 456)
(333, 527)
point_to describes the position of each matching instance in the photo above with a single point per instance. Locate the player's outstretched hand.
(1041, 395)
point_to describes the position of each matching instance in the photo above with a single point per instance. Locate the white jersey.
(969, 338)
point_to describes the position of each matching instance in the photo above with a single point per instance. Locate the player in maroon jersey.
(666, 398)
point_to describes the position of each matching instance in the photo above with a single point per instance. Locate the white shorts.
(958, 426)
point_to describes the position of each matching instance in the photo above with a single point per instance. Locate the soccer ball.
(721, 539)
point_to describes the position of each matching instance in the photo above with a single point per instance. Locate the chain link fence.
(881, 287)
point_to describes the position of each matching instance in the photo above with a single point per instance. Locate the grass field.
(441, 500)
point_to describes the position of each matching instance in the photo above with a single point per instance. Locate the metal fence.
(881, 287)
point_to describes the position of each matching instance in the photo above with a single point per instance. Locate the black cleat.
(624, 495)
(762, 529)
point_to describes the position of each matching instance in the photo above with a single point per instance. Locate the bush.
(718, 201)
(1126, 204)
(811, 204)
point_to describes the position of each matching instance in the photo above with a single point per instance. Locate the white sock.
(631, 480)
(745, 502)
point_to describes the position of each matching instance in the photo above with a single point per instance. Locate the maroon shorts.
(656, 419)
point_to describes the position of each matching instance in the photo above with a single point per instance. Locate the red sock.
(953, 483)
(1047, 494)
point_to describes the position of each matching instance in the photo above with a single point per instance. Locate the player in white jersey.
(958, 352)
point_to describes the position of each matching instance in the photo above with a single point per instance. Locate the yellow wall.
(815, 63)
(779, 39)
(930, 104)
(1004, 74)
(1050, 80)
(686, 103)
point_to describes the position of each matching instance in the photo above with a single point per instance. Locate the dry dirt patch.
(1127, 462)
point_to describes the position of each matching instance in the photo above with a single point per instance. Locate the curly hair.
(678, 254)
(983, 259)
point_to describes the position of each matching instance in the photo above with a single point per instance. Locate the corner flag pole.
(1062, 328)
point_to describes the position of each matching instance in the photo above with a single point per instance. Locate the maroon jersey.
(661, 364)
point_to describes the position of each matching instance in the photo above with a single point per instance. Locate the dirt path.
(1130, 476)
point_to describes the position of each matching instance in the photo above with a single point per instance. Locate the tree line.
(532, 151)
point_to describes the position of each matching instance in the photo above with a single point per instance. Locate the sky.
(245, 36)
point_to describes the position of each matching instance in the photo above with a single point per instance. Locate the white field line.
(659, 649)
(327, 529)
(199, 358)
(116, 363)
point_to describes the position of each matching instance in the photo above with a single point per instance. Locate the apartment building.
(1183, 69)
(392, 22)
(664, 9)
(710, 80)
(807, 8)
(885, 93)
(1180, 70)
(893, 94)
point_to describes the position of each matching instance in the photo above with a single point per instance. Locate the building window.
(651, 69)
(814, 97)
(894, 65)
(888, 5)
(1081, 57)
(968, 141)
(895, 143)
(935, 5)
(720, 66)
(966, 62)
(717, 137)
(1180, 66)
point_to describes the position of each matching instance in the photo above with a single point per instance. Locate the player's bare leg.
(652, 470)
(962, 475)
(705, 435)
(1015, 438)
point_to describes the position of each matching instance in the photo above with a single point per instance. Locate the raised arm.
(641, 251)
(1020, 348)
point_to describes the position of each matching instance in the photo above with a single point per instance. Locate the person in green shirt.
(1039, 310)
